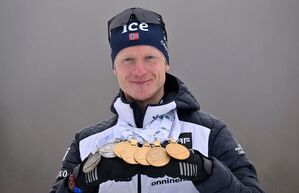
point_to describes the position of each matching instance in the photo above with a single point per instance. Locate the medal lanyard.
(160, 128)
(175, 128)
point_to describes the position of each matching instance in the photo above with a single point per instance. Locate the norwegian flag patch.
(134, 36)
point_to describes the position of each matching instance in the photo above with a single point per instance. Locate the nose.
(140, 68)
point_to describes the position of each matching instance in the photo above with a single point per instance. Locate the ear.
(167, 67)
(114, 72)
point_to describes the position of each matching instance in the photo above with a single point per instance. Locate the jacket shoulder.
(202, 118)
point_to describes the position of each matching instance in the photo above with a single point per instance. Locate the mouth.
(141, 82)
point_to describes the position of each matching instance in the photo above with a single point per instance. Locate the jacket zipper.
(139, 183)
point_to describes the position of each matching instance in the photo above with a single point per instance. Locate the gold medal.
(157, 155)
(177, 151)
(140, 153)
(128, 153)
(119, 147)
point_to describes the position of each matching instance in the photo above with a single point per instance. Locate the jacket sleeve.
(232, 172)
(70, 160)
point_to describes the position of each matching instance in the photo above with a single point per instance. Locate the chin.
(141, 97)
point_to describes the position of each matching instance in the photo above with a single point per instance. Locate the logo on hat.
(165, 45)
(135, 26)
(134, 36)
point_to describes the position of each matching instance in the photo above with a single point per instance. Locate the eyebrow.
(127, 56)
(150, 53)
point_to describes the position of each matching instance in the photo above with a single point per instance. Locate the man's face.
(141, 71)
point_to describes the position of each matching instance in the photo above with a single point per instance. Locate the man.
(187, 150)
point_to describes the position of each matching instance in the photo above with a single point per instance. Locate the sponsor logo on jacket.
(239, 150)
(167, 181)
(186, 140)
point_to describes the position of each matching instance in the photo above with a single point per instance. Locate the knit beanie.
(138, 33)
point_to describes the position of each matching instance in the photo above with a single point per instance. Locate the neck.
(142, 104)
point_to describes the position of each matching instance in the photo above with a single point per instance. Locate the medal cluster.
(147, 155)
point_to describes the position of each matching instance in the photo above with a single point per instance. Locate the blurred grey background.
(240, 58)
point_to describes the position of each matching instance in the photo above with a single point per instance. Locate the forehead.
(140, 49)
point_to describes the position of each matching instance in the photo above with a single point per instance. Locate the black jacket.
(231, 171)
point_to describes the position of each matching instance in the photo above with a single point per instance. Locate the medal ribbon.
(161, 127)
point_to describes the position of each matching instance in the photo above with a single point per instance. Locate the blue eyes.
(128, 60)
(149, 57)
(132, 59)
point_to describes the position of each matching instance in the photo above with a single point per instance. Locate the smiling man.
(159, 140)
(141, 72)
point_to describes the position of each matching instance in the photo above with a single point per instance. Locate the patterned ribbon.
(162, 127)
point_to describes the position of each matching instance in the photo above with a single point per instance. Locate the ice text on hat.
(134, 27)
